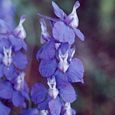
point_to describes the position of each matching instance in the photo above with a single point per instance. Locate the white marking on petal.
(63, 63)
(73, 18)
(44, 32)
(19, 30)
(67, 109)
(44, 112)
(53, 91)
(71, 53)
(57, 45)
(7, 58)
(20, 81)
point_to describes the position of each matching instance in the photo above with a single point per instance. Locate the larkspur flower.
(71, 20)
(53, 91)
(56, 60)
(13, 62)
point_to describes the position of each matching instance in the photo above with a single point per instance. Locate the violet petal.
(20, 60)
(75, 71)
(55, 106)
(58, 12)
(47, 67)
(63, 33)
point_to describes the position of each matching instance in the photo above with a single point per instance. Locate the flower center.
(44, 112)
(20, 81)
(63, 63)
(53, 91)
(67, 109)
(7, 58)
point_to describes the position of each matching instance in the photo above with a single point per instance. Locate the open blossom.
(53, 91)
(57, 62)
(13, 61)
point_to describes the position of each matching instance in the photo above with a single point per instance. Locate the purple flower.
(70, 20)
(18, 100)
(55, 106)
(75, 71)
(66, 91)
(57, 63)
(37, 95)
(47, 51)
(13, 61)
(6, 90)
(63, 33)
(47, 67)
(10, 61)
(21, 85)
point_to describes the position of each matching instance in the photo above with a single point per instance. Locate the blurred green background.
(97, 21)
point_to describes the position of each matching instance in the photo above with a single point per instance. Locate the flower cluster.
(57, 64)
(13, 61)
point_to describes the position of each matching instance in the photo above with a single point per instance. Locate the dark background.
(97, 22)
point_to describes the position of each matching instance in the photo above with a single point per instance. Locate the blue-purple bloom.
(13, 62)
(57, 63)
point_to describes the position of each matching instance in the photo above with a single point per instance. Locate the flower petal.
(63, 33)
(75, 71)
(9, 72)
(1, 70)
(72, 18)
(20, 60)
(58, 12)
(55, 106)
(44, 32)
(4, 110)
(18, 99)
(19, 30)
(66, 90)
(3, 43)
(17, 43)
(79, 34)
(64, 47)
(5, 90)
(61, 79)
(3, 26)
(47, 51)
(68, 93)
(44, 104)
(38, 93)
(47, 67)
